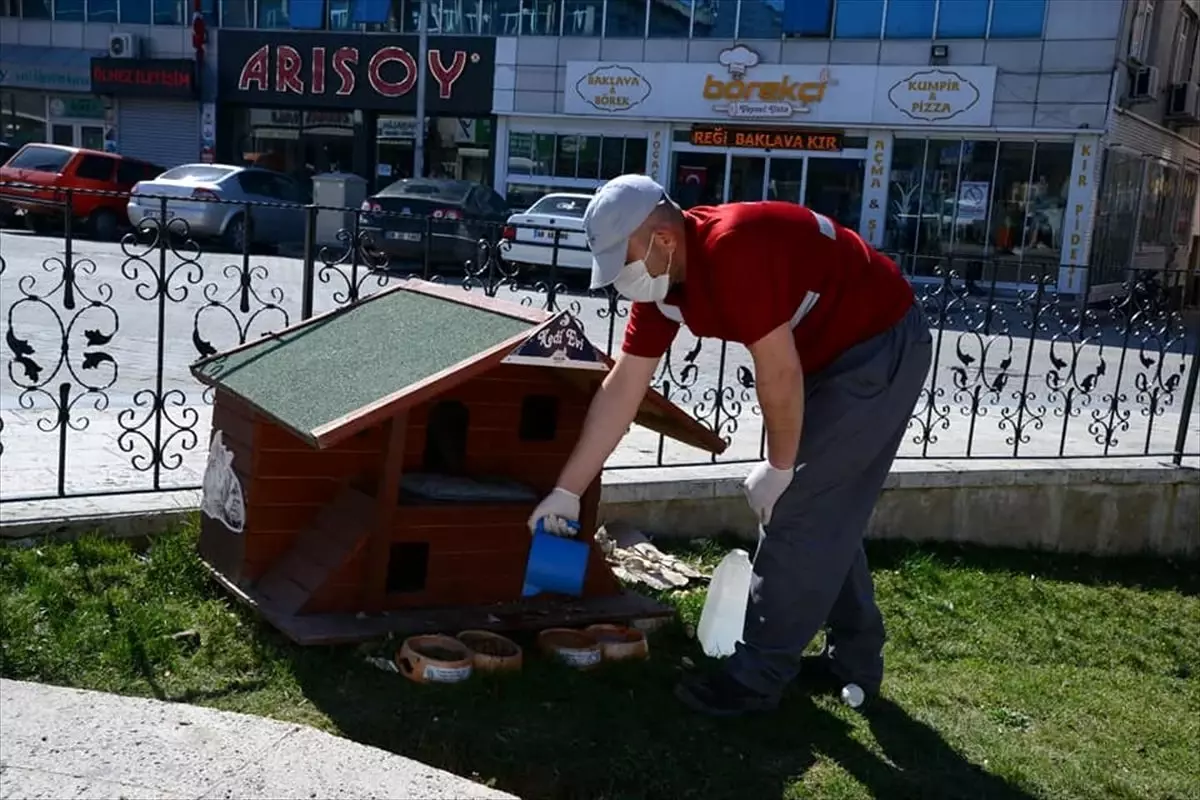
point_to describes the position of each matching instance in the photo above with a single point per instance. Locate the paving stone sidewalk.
(57, 743)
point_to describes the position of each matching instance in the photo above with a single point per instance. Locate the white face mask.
(638, 285)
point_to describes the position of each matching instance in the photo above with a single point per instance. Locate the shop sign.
(613, 88)
(934, 95)
(1079, 217)
(875, 196)
(365, 71)
(741, 88)
(742, 94)
(766, 138)
(144, 77)
(53, 69)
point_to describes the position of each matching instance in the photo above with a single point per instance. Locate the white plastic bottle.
(724, 616)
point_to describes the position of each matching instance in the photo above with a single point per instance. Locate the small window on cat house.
(408, 567)
(446, 438)
(539, 418)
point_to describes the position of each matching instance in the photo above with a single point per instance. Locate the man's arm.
(779, 381)
(611, 413)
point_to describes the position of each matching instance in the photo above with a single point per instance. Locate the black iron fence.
(96, 397)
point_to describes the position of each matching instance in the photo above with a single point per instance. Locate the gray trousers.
(810, 569)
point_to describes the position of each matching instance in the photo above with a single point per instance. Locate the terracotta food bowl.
(435, 659)
(492, 652)
(618, 642)
(574, 648)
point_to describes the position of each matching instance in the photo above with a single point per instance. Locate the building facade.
(1027, 135)
(74, 74)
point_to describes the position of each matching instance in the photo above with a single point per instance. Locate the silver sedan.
(225, 202)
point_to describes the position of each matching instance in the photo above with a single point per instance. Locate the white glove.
(559, 513)
(763, 487)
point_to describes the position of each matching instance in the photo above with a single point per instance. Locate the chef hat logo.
(738, 59)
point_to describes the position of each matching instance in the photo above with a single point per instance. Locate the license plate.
(545, 235)
(404, 237)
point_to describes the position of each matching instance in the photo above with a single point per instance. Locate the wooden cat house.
(372, 469)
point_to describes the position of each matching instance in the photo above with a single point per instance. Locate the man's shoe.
(720, 694)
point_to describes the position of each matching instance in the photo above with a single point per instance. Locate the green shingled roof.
(333, 366)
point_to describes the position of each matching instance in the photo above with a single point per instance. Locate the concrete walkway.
(59, 743)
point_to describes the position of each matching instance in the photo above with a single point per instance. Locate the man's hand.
(763, 487)
(558, 513)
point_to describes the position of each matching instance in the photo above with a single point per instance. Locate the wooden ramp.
(339, 531)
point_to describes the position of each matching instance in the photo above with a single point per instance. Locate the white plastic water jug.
(724, 616)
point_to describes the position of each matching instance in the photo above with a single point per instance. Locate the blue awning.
(52, 69)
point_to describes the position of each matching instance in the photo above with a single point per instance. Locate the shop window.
(970, 210)
(31, 9)
(68, 10)
(1010, 193)
(904, 195)
(134, 12)
(407, 567)
(22, 116)
(626, 19)
(811, 18)
(582, 17)
(237, 13)
(909, 19)
(761, 20)
(962, 19)
(714, 19)
(169, 12)
(1187, 203)
(670, 20)
(446, 438)
(1046, 213)
(539, 418)
(1017, 19)
(306, 14)
(1116, 215)
(539, 163)
(102, 11)
(858, 19)
(273, 14)
(1160, 204)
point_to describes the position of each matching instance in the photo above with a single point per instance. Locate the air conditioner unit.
(1144, 84)
(124, 45)
(1183, 101)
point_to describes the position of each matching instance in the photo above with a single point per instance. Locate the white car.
(532, 234)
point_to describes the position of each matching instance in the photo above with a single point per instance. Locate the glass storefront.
(539, 163)
(830, 183)
(75, 120)
(306, 143)
(968, 197)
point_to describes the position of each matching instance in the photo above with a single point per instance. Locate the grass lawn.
(1010, 675)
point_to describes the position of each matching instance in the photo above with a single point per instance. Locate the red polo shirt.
(752, 267)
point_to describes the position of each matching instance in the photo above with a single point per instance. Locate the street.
(95, 343)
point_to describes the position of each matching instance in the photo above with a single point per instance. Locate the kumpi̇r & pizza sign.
(347, 71)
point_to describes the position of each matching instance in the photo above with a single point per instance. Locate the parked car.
(36, 180)
(455, 214)
(8, 213)
(533, 233)
(212, 199)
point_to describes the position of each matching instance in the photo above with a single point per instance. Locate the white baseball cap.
(614, 213)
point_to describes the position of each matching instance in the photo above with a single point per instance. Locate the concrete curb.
(57, 742)
(1117, 506)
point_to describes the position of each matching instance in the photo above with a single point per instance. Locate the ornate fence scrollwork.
(98, 340)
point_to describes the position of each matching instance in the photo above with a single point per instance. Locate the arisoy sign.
(297, 69)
